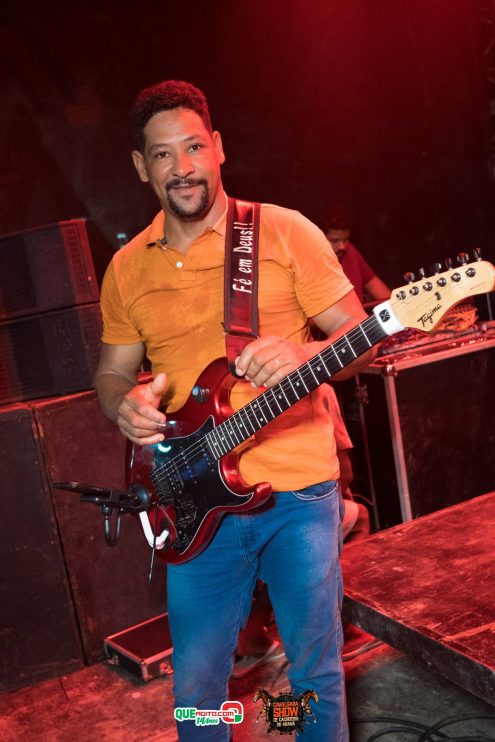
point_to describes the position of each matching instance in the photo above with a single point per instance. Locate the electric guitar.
(191, 479)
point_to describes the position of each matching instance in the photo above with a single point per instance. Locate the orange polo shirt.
(174, 304)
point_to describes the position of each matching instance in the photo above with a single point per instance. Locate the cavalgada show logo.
(286, 713)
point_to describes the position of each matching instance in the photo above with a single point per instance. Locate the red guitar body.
(193, 477)
(191, 484)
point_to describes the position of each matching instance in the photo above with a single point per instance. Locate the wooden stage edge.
(427, 588)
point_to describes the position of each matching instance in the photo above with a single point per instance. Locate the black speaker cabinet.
(49, 354)
(424, 433)
(46, 268)
(109, 584)
(38, 631)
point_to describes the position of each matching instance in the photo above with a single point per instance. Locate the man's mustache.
(185, 182)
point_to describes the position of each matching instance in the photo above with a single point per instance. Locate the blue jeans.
(293, 545)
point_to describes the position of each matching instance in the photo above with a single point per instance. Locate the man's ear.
(217, 142)
(138, 161)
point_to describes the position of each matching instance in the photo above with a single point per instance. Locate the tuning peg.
(462, 258)
(409, 277)
(437, 268)
(421, 273)
(477, 253)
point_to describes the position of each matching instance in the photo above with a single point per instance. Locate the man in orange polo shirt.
(163, 295)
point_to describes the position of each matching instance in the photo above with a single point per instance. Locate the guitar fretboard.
(244, 423)
(274, 401)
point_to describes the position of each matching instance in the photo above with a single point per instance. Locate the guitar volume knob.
(199, 393)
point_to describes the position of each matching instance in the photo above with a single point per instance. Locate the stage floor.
(109, 704)
(427, 588)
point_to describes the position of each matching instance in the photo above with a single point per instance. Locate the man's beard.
(181, 210)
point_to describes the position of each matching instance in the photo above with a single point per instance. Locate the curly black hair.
(164, 96)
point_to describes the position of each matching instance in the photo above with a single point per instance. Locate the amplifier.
(109, 586)
(49, 354)
(39, 635)
(423, 428)
(46, 268)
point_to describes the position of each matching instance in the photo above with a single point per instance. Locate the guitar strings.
(371, 323)
(306, 374)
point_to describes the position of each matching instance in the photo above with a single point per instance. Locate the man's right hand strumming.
(138, 416)
(133, 407)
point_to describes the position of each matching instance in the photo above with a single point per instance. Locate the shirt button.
(179, 264)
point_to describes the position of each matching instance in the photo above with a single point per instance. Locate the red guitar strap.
(241, 277)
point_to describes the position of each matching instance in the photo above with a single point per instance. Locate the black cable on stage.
(426, 737)
(353, 653)
(409, 725)
(393, 730)
(423, 732)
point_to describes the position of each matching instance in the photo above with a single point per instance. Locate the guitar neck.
(305, 379)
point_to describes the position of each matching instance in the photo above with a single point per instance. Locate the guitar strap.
(241, 277)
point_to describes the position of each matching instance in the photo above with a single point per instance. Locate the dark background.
(378, 104)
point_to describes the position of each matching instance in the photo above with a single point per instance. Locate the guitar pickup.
(168, 488)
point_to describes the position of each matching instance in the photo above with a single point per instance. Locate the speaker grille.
(49, 354)
(16, 287)
(46, 268)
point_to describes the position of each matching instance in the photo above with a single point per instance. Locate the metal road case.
(144, 649)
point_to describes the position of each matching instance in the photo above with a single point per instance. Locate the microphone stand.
(135, 500)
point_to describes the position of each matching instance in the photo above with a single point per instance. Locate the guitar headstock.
(422, 304)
